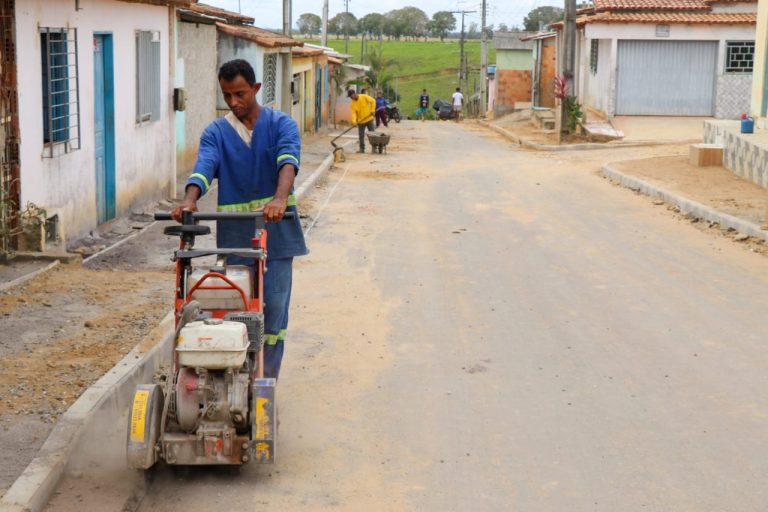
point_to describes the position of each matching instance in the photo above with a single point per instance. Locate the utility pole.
(570, 63)
(462, 58)
(286, 65)
(324, 37)
(346, 27)
(483, 65)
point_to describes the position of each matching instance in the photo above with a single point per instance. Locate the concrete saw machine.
(214, 406)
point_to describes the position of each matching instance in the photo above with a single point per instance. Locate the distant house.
(513, 79)
(310, 88)
(544, 69)
(666, 57)
(87, 111)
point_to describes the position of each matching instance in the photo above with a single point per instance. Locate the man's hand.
(275, 209)
(188, 204)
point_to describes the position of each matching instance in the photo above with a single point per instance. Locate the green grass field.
(432, 65)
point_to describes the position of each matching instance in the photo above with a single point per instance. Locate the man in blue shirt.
(421, 113)
(254, 152)
(381, 110)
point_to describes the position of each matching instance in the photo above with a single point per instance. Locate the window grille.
(61, 91)
(147, 76)
(269, 83)
(739, 56)
(593, 55)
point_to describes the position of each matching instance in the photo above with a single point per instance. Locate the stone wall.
(745, 155)
(733, 95)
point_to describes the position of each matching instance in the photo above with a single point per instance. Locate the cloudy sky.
(269, 13)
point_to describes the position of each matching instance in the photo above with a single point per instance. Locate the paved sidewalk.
(714, 195)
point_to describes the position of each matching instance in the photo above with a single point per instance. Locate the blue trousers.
(277, 299)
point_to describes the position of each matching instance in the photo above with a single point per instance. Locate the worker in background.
(381, 110)
(421, 113)
(458, 103)
(363, 108)
(254, 152)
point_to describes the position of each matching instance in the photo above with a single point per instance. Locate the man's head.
(352, 94)
(378, 94)
(458, 89)
(424, 91)
(239, 87)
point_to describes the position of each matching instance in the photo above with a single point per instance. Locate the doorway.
(104, 126)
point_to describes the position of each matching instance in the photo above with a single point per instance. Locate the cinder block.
(706, 155)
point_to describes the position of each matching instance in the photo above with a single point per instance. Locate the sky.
(269, 13)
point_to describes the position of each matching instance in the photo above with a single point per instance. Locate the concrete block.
(706, 155)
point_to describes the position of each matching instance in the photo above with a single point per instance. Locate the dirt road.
(483, 328)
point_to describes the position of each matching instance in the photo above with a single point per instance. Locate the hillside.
(423, 64)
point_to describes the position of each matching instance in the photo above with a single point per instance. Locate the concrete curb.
(313, 178)
(685, 205)
(23, 279)
(106, 398)
(581, 147)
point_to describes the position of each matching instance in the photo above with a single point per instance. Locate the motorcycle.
(444, 110)
(393, 112)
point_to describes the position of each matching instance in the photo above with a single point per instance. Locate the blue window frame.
(61, 109)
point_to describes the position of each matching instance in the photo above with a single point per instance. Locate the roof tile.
(651, 5)
(672, 18)
(258, 35)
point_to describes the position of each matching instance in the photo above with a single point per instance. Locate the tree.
(372, 24)
(415, 21)
(542, 17)
(342, 22)
(442, 23)
(474, 31)
(489, 31)
(408, 21)
(309, 24)
(503, 27)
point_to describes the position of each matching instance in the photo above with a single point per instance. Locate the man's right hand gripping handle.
(188, 204)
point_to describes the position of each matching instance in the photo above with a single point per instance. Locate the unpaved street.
(483, 328)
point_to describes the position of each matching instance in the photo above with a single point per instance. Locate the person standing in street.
(363, 108)
(421, 113)
(381, 110)
(458, 104)
(254, 153)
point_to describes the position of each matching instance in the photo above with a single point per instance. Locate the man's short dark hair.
(230, 70)
(458, 89)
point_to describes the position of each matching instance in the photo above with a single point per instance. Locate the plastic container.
(747, 125)
(213, 344)
(223, 299)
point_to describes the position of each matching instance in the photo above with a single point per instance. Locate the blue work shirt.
(248, 179)
(381, 103)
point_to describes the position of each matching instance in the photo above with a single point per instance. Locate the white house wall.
(599, 91)
(144, 154)
(198, 60)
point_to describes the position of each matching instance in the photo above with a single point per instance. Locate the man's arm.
(288, 160)
(200, 180)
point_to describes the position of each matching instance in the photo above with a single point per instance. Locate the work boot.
(361, 150)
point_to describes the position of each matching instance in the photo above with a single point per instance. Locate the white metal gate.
(666, 78)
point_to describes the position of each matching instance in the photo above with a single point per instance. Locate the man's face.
(354, 97)
(239, 95)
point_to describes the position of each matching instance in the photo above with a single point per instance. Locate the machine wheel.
(144, 426)
(397, 118)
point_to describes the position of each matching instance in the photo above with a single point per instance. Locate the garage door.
(666, 78)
